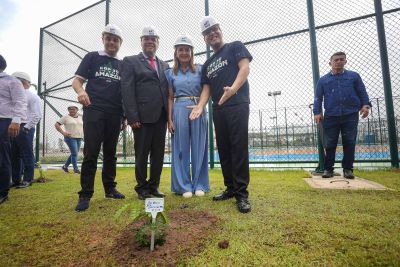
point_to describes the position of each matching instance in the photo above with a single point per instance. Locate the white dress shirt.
(34, 114)
(12, 98)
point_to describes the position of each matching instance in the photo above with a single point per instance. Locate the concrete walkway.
(339, 182)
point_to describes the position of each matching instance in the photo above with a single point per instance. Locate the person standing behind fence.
(12, 110)
(144, 94)
(22, 157)
(189, 137)
(102, 114)
(344, 96)
(225, 74)
(73, 135)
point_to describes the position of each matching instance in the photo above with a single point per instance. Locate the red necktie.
(152, 63)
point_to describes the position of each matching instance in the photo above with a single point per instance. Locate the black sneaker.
(3, 199)
(15, 184)
(243, 205)
(24, 184)
(114, 194)
(348, 174)
(65, 169)
(77, 171)
(83, 204)
(223, 196)
(327, 174)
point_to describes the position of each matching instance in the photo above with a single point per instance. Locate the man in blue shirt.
(344, 96)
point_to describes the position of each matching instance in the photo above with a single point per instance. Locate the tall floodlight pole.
(275, 94)
(210, 125)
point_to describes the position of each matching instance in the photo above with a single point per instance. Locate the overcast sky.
(20, 25)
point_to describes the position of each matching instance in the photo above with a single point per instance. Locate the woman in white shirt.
(73, 134)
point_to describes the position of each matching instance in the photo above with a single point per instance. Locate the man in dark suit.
(144, 94)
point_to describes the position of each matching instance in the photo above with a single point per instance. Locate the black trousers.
(99, 128)
(231, 129)
(149, 141)
(5, 157)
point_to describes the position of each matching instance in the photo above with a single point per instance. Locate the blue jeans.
(74, 145)
(345, 125)
(22, 157)
(5, 157)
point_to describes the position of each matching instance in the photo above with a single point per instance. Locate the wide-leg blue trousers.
(189, 144)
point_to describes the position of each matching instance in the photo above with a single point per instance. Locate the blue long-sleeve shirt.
(343, 93)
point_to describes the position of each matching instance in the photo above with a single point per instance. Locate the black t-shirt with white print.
(103, 82)
(221, 70)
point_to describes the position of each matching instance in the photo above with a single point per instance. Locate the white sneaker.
(199, 193)
(187, 194)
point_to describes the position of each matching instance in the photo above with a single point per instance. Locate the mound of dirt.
(186, 233)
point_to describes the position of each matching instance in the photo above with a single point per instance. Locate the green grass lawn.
(291, 224)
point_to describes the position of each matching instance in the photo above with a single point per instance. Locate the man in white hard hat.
(22, 157)
(102, 114)
(144, 94)
(12, 111)
(225, 74)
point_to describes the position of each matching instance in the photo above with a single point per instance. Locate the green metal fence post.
(387, 86)
(44, 120)
(39, 92)
(261, 130)
(210, 124)
(108, 11)
(315, 71)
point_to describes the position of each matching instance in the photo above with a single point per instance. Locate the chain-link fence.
(277, 34)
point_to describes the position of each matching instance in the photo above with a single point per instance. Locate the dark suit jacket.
(144, 94)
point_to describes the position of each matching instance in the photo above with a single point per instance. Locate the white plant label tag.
(154, 205)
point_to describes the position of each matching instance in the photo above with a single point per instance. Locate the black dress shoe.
(143, 195)
(243, 205)
(348, 174)
(157, 193)
(224, 196)
(327, 174)
(113, 193)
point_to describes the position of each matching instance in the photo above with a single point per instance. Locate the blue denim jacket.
(342, 94)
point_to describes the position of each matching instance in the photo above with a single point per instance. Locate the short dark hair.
(340, 53)
(3, 63)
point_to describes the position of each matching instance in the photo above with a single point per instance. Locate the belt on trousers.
(193, 98)
(187, 97)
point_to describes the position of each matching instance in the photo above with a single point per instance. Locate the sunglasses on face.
(210, 30)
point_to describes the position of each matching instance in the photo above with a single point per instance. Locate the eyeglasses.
(210, 30)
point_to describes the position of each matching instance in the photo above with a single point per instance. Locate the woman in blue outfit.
(187, 122)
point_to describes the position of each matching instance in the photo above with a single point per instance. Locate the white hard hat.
(73, 106)
(113, 29)
(207, 22)
(22, 75)
(183, 39)
(149, 31)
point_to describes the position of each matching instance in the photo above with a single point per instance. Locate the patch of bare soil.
(186, 233)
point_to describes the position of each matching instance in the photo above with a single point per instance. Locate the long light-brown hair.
(177, 64)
